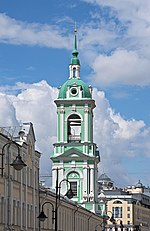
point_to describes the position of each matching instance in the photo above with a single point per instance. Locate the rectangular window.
(128, 208)
(117, 212)
(73, 185)
(128, 215)
(14, 212)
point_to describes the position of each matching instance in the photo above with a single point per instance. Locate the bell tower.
(75, 154)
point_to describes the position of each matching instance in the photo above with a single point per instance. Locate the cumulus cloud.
(121, 67)
(128, 26)
(23, 33)
(8, 112)
(116, 137)
(119, 26)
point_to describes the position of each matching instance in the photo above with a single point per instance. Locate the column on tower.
(86, 123)
(62, 124)
(91, 182)
(85, 181)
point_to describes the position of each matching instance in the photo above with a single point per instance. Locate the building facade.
(19, 190)
(75, 154)
(129, 207)
(71, 216)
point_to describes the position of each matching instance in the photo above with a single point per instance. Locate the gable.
(73, 154)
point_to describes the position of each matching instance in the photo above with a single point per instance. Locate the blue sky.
(36, 41)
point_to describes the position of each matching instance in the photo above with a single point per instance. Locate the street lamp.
(121, 224)
(42, 215)
(18, 163)
(112, 220)
(69, 194)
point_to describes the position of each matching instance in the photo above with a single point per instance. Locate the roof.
(74, 82)
(139, 185)
(104, 177)
(74, 59)
(18, 133)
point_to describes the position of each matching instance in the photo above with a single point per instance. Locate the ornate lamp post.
(121, 224)
(42, 215)
(18, 164)
(69, 194)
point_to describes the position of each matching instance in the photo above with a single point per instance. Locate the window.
(73, 186)
(74, 72)
(128, 208)
(74, 128)
(117, 212)
(74, 91)
(116, 202)
(14, 212)
(128, 215)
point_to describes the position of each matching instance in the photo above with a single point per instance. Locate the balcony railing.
(74, 138)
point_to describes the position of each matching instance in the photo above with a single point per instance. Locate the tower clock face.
(74, 91)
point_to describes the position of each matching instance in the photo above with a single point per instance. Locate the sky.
(36, 42)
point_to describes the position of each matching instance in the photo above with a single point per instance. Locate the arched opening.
(74, 72)
(74, 180)
(74, 128)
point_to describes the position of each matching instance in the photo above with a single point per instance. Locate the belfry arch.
(74, 128)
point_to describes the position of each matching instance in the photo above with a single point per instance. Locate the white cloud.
(121, 67)
(7, 115)
(23, 33)
(126, 31)
(115, 136)
(128, 26)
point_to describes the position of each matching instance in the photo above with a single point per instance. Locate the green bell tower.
(75, 155)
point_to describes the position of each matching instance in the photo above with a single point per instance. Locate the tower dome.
(73, 88)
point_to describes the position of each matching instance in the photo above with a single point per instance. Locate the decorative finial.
(75, 38)
(75, 60)
(75, 28)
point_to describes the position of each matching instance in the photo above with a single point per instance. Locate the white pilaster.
(61, 125)
(92, 181)
(85, 180)
(86, 124)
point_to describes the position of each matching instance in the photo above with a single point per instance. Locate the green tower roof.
(74, 82)
(74, 59)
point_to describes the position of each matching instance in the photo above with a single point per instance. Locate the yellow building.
(129, 207)
(71, 216)
(19, 190)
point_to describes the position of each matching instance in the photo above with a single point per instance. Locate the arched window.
(117, 202)
(74, 128)
(73, 178)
